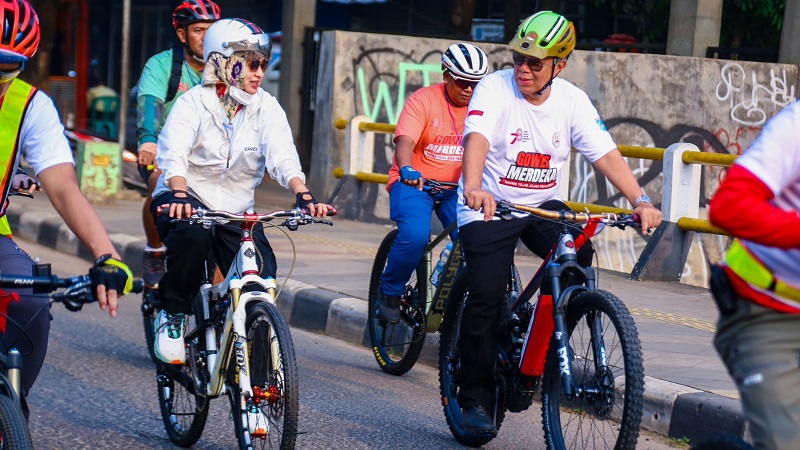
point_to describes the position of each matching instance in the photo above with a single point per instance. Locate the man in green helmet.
(522, 123)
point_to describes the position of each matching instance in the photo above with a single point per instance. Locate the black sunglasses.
(535, 64)
(255, 63)
(463, 83)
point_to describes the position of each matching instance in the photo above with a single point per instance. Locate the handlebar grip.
(331, 211)
(138, 286)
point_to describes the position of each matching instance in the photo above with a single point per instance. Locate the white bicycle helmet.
(226, 36)
(465, 61)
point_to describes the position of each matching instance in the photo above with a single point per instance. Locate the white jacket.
(223, 162)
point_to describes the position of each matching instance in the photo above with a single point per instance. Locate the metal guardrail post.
(680, 196)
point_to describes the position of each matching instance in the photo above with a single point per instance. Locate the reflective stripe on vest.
(12, 111)
(754, 272)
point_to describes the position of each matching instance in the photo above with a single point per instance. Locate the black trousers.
(489, 252)
(27, 325)
(188, 249)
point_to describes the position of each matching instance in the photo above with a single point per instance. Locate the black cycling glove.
(302, 202)
(112, 274)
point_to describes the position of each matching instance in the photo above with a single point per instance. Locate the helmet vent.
(553, 31)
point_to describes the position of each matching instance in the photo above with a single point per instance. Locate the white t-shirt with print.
(529, 144)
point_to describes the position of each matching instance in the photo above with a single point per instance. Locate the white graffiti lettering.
(753, 104)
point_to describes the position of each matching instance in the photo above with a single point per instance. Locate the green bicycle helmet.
(544, 34)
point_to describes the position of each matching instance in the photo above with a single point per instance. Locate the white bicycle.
(238, 343)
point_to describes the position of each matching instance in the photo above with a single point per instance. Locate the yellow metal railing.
(628, 151)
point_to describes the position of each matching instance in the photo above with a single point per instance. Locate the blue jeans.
(411, 209)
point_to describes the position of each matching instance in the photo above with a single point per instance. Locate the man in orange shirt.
(428, 145)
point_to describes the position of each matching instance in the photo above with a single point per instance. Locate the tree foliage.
(745, 23)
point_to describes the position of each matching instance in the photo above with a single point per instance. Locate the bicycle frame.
(549, 317)
(437, 297)
(243, 271)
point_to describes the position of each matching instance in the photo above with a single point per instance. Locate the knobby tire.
(449, 365)
(610, 419)
(14, 431)
(269, 340)
(397, 347)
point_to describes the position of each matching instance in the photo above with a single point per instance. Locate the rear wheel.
(607, 409)
(183, 409)
(450, 365)
(274, 407)
(397, 346)
(14, 433)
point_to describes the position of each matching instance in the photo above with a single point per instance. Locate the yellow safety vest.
(750, 269)
(12, 111)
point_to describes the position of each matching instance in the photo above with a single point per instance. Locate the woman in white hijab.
(216, 145)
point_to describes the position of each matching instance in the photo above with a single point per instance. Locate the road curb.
(670, 409)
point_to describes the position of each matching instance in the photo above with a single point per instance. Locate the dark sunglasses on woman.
(255, 63)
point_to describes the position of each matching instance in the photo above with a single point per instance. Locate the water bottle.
(437, 271)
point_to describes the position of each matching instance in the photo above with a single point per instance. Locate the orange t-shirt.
(437, 128)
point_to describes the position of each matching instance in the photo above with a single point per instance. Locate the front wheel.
(267, 420)
(450, 366)
(396, 346)
(14, 433)
(605, 357)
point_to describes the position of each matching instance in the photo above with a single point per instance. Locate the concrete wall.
(648, 100)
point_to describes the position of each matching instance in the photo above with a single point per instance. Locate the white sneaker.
(257, 422)
(169, 346)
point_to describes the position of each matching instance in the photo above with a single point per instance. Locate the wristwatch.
(644, 198)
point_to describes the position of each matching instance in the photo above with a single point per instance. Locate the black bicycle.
(579, 342)
(397, 347)
(77, 291)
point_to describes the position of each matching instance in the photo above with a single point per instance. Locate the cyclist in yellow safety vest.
(30, 128)
(757, 288)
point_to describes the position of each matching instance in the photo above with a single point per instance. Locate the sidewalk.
(688, 392)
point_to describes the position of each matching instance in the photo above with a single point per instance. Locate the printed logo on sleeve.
(475, 112)
(531, 171)
(600, 124)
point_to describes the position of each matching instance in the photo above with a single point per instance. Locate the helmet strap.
(552, 77)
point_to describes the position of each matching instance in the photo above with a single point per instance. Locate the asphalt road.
(97, 391)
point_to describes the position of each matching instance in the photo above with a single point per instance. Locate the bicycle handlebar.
(505, 208)
(433, 187)
(78, 289)
(294, 217)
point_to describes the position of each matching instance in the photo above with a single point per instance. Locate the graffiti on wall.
(752, 104)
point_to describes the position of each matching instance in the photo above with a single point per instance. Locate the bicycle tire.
(396, 347)
(183, 413)
(148, 322)
(612, 413)
(449, 365)
(14, 432)
(269, 340)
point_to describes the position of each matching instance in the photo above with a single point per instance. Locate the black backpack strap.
(175, 76)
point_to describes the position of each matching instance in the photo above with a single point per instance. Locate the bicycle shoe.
(389, 308)
(477, 420)
(154, 265)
